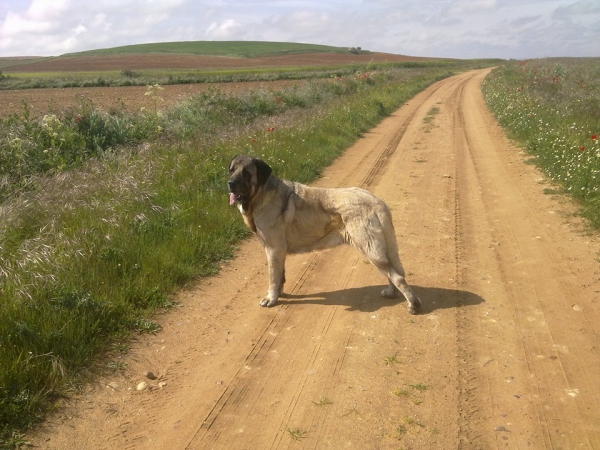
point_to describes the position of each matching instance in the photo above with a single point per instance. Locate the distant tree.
(355, 50)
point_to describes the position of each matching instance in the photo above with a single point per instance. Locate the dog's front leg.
(276, 260)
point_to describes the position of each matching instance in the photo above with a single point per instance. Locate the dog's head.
(246, 176)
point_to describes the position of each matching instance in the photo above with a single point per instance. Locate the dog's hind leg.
(378, 243)
(398, 283)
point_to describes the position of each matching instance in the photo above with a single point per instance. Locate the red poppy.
(594, 137)
(582, 149)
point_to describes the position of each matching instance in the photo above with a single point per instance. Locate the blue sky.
(516, 29)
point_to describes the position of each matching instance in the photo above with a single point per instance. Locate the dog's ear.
(263, 171)
(232, 161)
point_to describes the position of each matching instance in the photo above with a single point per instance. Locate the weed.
(419, 387)
(144, 325)
(431, 114)
(15, 441)
(399, 432)
(323, 401)
(412, 421)
(296, 433)
(401, 393)
(116, 365)
(389, 360)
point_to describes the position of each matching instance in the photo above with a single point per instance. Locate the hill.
(204, 55)
(235, 49)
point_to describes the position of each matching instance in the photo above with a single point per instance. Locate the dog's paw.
(389, 293)
(414, 307)
(267, 302)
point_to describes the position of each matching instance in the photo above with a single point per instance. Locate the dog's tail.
(385, 217)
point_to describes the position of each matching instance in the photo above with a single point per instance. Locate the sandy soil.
(505, 354)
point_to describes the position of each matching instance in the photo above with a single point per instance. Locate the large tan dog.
(290, 217)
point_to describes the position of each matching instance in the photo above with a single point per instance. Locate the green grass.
(390, 360)
(323, 401)
(296, 434)
(245, 49)
(93, 244)
(401, 392)
(6, 62)
(552, 108)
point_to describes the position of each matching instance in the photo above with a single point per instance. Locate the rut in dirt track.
(503, 356)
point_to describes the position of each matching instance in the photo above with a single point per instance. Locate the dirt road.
(505, 354)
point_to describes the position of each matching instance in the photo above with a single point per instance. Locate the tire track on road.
(471, 385)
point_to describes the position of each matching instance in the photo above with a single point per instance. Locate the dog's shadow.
(367, 299)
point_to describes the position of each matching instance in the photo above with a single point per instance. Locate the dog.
(289, 217)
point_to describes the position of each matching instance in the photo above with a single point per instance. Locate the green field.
(239, 49)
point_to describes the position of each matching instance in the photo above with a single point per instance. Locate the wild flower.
(549, 113)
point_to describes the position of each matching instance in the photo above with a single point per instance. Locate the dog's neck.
(247, 208)
(248, 215)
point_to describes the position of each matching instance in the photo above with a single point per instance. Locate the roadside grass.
(552, 108)
(97, 238)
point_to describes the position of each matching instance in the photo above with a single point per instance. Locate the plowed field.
(504, 355)
(45, 101)
(131, 98)
(166, 61)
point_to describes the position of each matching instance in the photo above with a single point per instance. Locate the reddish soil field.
(48, 101)
(44, 101)
(161, 61)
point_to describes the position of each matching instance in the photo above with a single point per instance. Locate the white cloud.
(462, 7)
(228, 29)
(444, 28)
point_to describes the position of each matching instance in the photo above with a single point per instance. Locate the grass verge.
(552, 108)
(89, 253)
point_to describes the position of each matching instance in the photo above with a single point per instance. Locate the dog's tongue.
(231, 198)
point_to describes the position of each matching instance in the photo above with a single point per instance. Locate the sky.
(517, 29)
